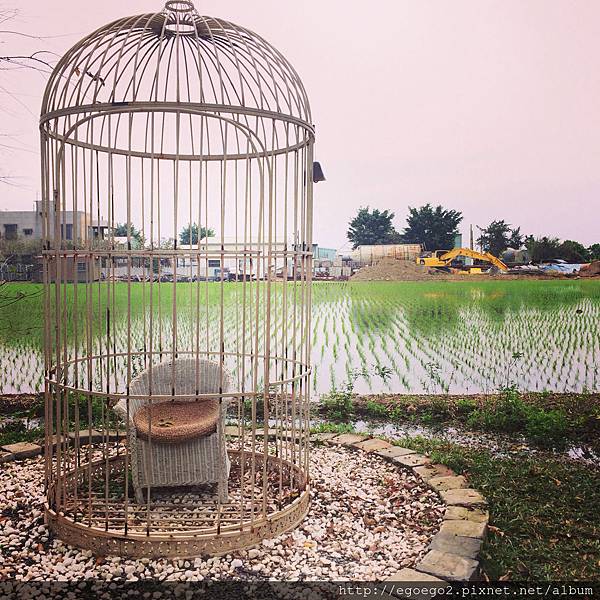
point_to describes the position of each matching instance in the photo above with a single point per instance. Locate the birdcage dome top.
(176, 56)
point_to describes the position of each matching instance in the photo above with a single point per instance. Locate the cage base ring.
(181, 544)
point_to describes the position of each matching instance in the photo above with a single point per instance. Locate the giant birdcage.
(177, 173)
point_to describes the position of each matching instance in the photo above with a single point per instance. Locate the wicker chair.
(177, 443)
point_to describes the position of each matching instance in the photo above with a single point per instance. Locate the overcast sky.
(491, 107)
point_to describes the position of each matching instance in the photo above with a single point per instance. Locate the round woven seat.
(175, 422)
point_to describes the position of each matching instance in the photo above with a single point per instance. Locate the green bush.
(510, 414)
(339, 405)
(439, 406)
(465, 406)
(547, 429)
(427, 418)
(398, 413)
(14, 432)
(376, 409)
(95, 411)
(332, 428)
(507, 413)
(247, 407)
(510, 410)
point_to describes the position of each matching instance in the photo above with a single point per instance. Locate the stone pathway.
(454, 551)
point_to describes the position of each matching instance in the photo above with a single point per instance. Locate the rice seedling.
(470, 330)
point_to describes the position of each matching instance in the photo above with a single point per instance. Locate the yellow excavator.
(442, 259)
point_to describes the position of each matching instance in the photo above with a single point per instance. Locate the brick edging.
(22, 450)
(454, 551)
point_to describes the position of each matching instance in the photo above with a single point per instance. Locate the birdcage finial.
(180, 6)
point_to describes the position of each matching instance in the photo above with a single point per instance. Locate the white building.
(238, 258)
(27, 224)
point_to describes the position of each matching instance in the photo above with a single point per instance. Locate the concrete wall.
(78, 223)
(29, 219)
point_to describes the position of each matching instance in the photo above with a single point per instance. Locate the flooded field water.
(457, 337)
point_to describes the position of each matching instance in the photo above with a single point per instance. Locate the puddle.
(499, 445)
(32, 423)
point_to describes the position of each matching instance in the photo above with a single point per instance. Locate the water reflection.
(468, 330)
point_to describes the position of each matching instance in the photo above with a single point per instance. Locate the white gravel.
(368, 519)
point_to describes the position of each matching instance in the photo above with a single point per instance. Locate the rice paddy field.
(432, 337)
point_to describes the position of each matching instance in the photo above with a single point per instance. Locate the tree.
(31, 61)
(542, 249)
(372, 228)
(498, 236)
(21, 249)
(545, 249)
(594, 252)
(574, 252)
(435, 228)
(191, 231)
(516, 239)
(121, 230)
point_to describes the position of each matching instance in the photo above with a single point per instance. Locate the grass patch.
(92, 412)
(332, 428)
(547, 420)
(338, 405)
(544, 511)
(376, 410)
(509, 413)
(11, 433)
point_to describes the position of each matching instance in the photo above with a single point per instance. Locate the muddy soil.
(14, 403)
(393, 269)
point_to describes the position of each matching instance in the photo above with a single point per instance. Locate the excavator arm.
(484, 256)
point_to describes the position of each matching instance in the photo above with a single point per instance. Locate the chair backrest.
(188, 376)
(183, 376)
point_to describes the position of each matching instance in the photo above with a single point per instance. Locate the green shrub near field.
(547, 420)
(509, 413)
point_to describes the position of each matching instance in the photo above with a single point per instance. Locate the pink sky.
(491, 107)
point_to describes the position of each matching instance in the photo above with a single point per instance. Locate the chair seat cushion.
(175, 422)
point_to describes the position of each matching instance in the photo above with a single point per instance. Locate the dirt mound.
(393, 269)
(591, 270)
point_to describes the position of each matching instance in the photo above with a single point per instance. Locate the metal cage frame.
(151, 125)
